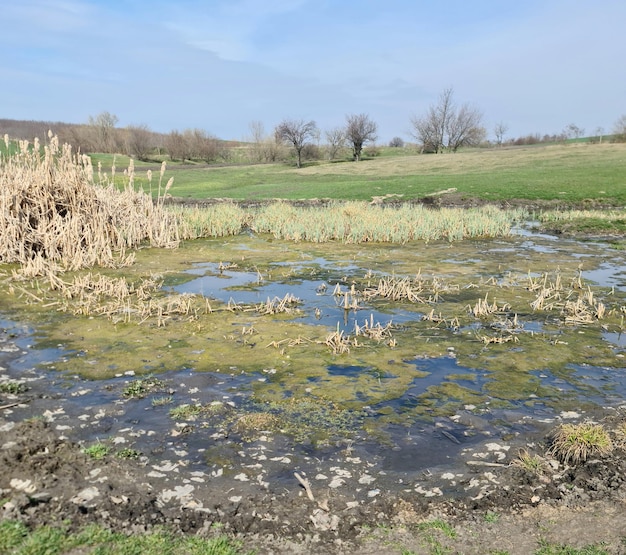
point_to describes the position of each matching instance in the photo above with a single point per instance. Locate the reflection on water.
(616, 338)
(609, 274)
(318, 303)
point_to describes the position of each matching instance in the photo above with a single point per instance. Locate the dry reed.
(576, 304)
(55, 217)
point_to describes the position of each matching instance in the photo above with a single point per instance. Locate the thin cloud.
(536, 65)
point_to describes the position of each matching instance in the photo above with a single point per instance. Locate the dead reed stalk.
(55, 217)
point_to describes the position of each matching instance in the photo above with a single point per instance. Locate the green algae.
(290, 352)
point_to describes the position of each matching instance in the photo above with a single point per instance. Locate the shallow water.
(419, 405)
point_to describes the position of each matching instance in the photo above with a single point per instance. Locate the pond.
(405, 356)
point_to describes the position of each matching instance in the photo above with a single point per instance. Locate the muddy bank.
(276, 497)
(445, 199)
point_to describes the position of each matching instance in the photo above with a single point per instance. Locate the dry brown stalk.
(338, 342)
(483, 308)
(277, 305)
(371, 330)
(498, 339)
(54, 217)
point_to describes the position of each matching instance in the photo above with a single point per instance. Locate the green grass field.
(572, 173)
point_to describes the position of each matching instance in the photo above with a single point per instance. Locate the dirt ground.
(492, 506)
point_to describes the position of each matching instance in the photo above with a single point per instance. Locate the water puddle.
(608, 274)
(616, 338)
(323, 302)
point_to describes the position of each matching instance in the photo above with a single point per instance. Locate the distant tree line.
(444, 127)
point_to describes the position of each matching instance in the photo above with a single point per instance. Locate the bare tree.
(572, 131)
(430, 129)
(177, 146)
(264, 148)
(360, 129)
(296, 132)
(426, 131)
(464, 128)
(446, 127)
(619, 129)
(202, 145)
(104, 132)
(335, 141)
(499, 131)
(209, 148)
(139, 141)
(599, 134)
(396, 142)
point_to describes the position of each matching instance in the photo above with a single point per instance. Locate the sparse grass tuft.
(161, 401)
(547, 548)
(577, 442)
(97, 451)
(534, 464)
(13, 387)
(137, 389)
(491, 517)
(438, 524)
(128, 453)
(186, 412)
(434, 545)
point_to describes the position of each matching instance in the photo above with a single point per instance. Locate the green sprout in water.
(161, 401)
(13, 387)
(137, 389)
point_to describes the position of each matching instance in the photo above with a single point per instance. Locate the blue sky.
(218, 65)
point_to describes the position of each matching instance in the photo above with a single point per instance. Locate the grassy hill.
(572, 173)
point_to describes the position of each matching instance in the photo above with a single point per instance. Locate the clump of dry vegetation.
(577, 442)
(360, 222)
(577, 304)
(55, 216)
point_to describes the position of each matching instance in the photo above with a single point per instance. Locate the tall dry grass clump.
(219, 220)
(55, 217)
(359, 222)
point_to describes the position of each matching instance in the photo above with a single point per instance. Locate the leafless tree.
(430, 129)
(360, 129)
(298, 133)
(396, 142)
(202, 145)
(335, 141)
(426, 131)
(263, 148)
(104, 131)
(464, 128)
(139, 141)
(446, 127)
(619, 129)
(210, 148)
(499, 131)
(177, 146)
(599, 134)
(572, 131)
